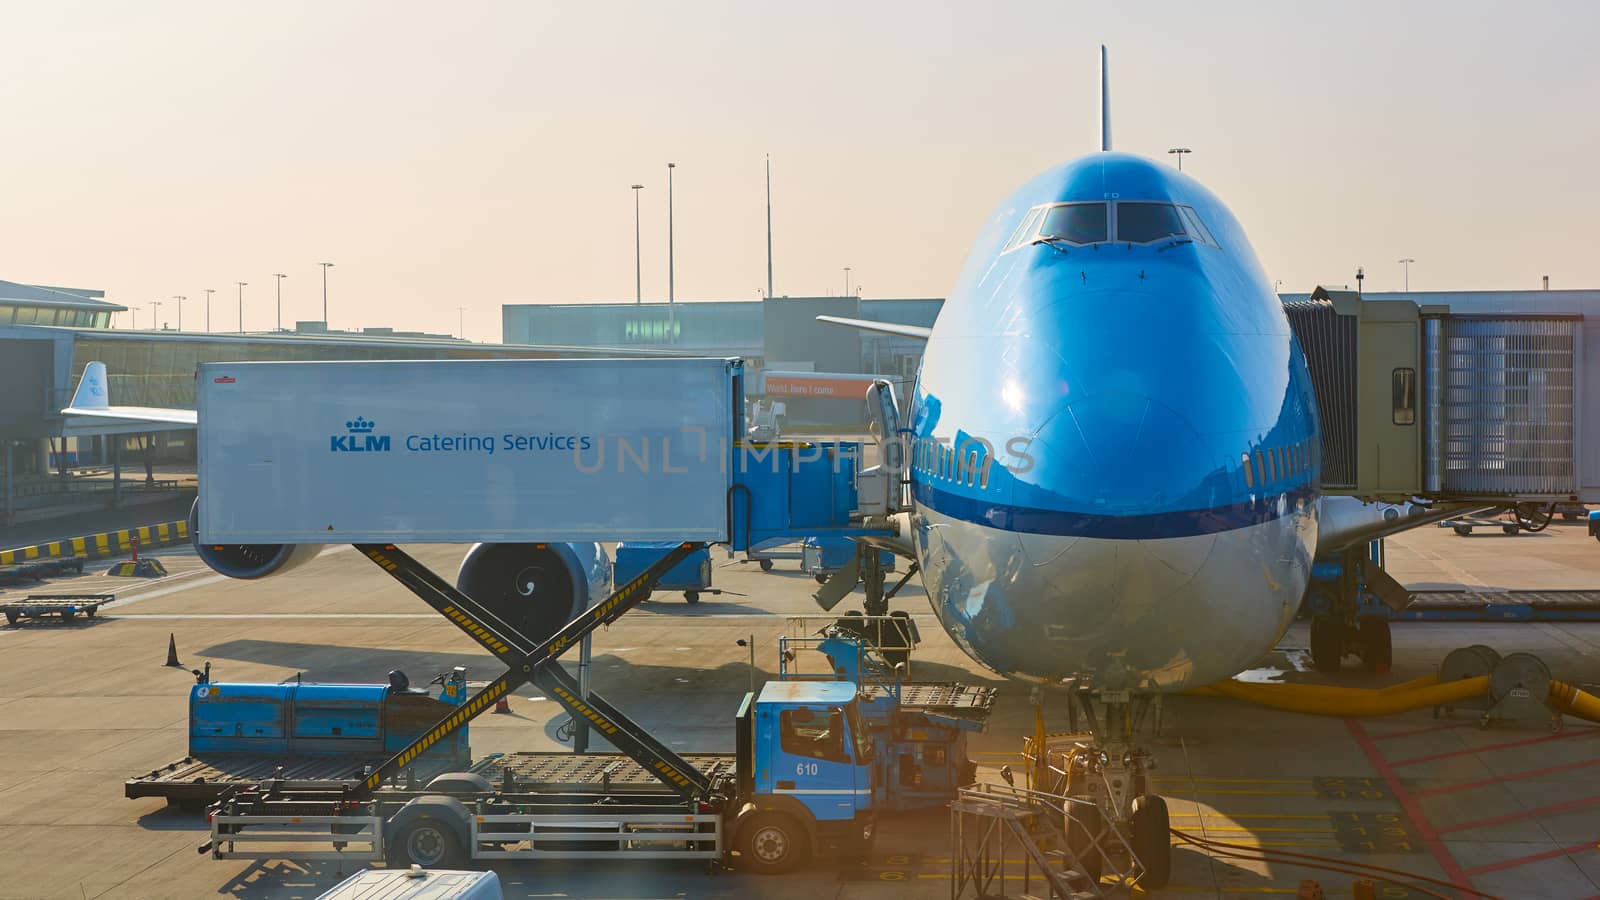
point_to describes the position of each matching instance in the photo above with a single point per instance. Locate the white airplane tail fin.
(92, 392)
(92, 401)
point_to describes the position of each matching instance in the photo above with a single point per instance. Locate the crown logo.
(360, 425)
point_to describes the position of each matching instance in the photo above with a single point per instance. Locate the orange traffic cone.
(502, 705)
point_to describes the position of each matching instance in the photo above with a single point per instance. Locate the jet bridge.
(1476, 400)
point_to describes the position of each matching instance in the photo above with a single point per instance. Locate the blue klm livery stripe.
(1150, 526)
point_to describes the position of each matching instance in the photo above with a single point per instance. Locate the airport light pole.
(135, 311)
(325, 267)
(280, 276)
(638, 269)
(1179, 152)
(180, 298)
(671, 268)
(209, 292)
(1407, 263)
(847, 281)
(461, 322)
(155, 307)
(241, 285)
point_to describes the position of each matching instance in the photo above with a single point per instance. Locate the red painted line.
(1520, 776)
(1585, 732)
(1429, 730)
(1531, 858)
(1514, 816)
(1413, 809)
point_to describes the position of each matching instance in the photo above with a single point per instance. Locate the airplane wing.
(916, 332)
(92, 399)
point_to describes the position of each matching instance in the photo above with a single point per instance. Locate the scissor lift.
(646, 802)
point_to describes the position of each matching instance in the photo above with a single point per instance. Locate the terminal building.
(773, 335)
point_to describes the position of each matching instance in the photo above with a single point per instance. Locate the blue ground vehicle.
(822, 556)
(691, 576)
(242, 733)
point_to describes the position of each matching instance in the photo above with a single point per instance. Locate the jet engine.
(536, 588)
(248, 560)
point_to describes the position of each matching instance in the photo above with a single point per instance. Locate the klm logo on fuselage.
(360, 438)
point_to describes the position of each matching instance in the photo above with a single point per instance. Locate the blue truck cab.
(808, 765)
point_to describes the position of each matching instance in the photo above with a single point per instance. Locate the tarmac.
(1512, 810)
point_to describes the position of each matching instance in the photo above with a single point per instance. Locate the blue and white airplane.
(1114, 460)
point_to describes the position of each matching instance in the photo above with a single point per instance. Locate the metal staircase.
(990, 821)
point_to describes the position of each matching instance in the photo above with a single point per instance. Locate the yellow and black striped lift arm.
(529, 660)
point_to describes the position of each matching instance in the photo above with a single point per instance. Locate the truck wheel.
(1152, 840)
(1463, 530)
(427, 843)
(11, 617)
(772, 843)
(821, 577)
(766, 565)
(691, 597)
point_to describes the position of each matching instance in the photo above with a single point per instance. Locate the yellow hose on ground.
(1326, 700)
(1574, 702)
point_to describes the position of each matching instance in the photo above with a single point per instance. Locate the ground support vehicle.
(691, 576)
(799, 783)
(918, 729)
(40, 569)
(66, 606)
(821, 556)
(243, 734)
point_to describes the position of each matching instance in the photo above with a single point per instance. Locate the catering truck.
(538, 461)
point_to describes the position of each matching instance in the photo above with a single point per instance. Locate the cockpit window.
(1024, 231)
(1141, 223)
(1075, 223)
(1196, 228)
(1136, 222)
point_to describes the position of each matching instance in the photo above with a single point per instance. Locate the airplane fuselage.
(1115, 459)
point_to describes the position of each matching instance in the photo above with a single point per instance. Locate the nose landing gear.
(1117, 824)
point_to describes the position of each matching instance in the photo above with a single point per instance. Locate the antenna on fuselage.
(1105, 103)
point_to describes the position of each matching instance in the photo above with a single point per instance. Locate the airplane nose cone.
(1130, 474)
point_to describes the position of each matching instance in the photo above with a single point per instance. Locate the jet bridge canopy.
(1471, 400)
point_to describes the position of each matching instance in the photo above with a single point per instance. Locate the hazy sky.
(473, 154)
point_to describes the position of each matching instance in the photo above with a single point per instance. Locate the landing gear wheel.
(1152, 840)
(1377, 647)
(427, 843)
(766, 565)
(1083, 827)
(691, 597)
(1327, 643)
(772, 843)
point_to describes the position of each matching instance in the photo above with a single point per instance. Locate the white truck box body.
(458, 451)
